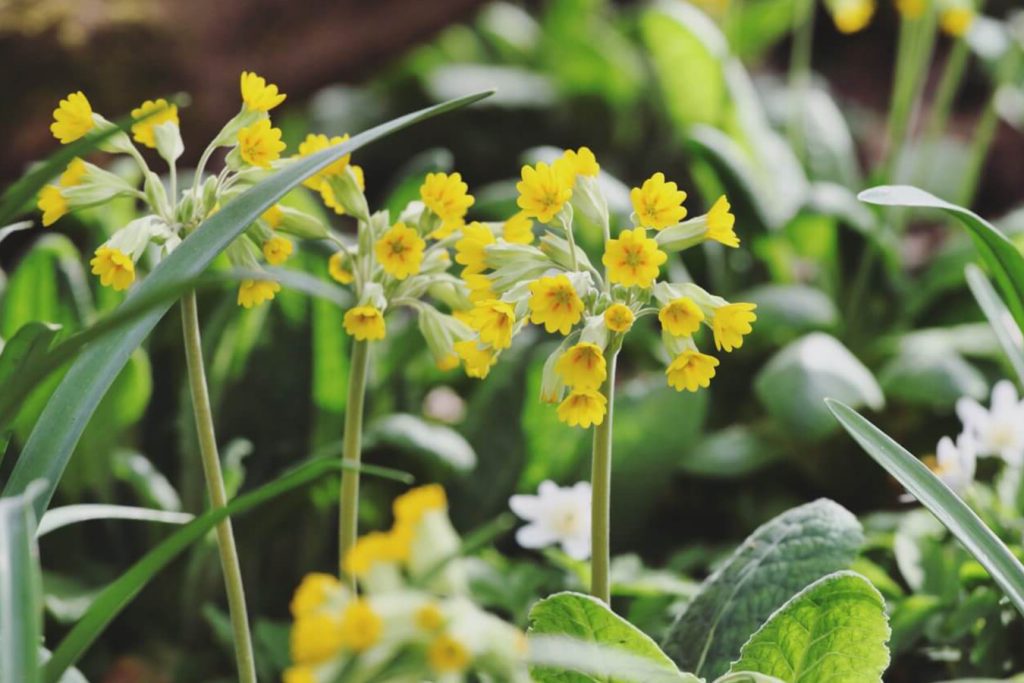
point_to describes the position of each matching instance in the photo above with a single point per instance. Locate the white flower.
(955, 462)
(999, 430)
(555, 515)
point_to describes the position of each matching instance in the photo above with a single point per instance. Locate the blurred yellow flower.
(53, 205)
(337, 269)
(429, 618)
(544, 190)
(447, 655)
(691, 370)
(115, 268)
(374, 547)
(400, 251)
(277, 250)
(313, 593)
(479, 286)
(582, 366)
(410, 507)
(317, 143)
(721, 222)
(851, 16)
(956, 21)
(260, 144)
(583, 408)
(298, 674)
(681, 317)
(477, 358)
(365, 323)
(657, 203)
(730, 323)
(582, 162)
(470, 249)
(911, 9)
(74, 173)
(327, 192)
(273, 216)
(255, 292)
(315, 638)
(633, 259)
(72, 118)
(493, 319)
(447, 196)
(518, 229)
(257, 94)
(155, 113)
(554, 303)
(619, 318)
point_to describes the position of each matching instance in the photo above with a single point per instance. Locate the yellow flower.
(312, 593)
(681, 317)
(74, 173)
(410, 507)
(447, 362)
(911, 9)
(327, 192)
(470, 250)
(447, 655)
(317, 143)
(730, 323)
(315, 638)
(365, 323)
(582, 162)
(583, 407)
(255, 292)
(72, 118)
(956, 21)
(494, 320)
(479, 287)
(619, 318)
(257, 94)
(446, 195)
(691, 370)
(518, 229)
(555, 303)
(582, 366)
(298, 674)
(429, 618)
(721, 222)
(544, 190)
(633, 259)
(336, 267)
(53, 205)
(476, 357)
(361, 626)
(143, 130)
(374, 547)
(851, 16)
(400, 251)
(277, 250)
(658, 204)
(115, 268)
(260, 144)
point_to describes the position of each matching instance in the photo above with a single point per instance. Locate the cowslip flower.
(851, 16)
(255, 292)
(619, 318)
(365, 323)
(556, 515)
(999, 429)
(114, 268)
(53, 205)
(957, 20)
(582, 162)
(691, 370)
(257, 94)
(469, 250)
(493, 320)
(316, 143)
(338, 270)
(657, 203)
(555, 304)
(583, 408)
(721, 221)
(477, 358)
(153, 113)
(518, 229)
(544, 190)
(260, 144)
(72, 118)
(400, 251)
(583, 366)
(277, 250)
(730, 323)
(447, 196)
(681, 317)
(633, 259)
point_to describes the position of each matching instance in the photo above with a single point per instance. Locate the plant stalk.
(800, 73)
(601, 492)
(215, 486)
(348, 520)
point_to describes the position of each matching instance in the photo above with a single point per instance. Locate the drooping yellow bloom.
(298, 674)
(480, 288)
(337, 269)
(374, 547)
(493, 319)
(447, 196)
(277, 250)
(316, 143)
(956, 21)
(721, 222)
(53, 205)
(410, 507)
(155, 113)
(327, 192)
(470, 250)
(619, 318)
(477, 358)
(313, 593)
(681, 317)
(633, 259)
(400, 251)
(429, 618)
(257, 94)
(544, 190)
(911, 9)
(447, 362)
(115, 268)
(72, 118)
(691, 370)
(447, 655)
(260, 144)
(657, 203)
(518, 229)
(555, 304)
(315, 638)
(583, 407)
(365, 323)
(255, 292)
(730, 323)
(582, 162)
(851, 16)
(74, 173)
(582, 366)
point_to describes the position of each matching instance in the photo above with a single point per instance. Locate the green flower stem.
(800, 72)
(352, 448)
(215, 487)
(984, 136)
(601, 491)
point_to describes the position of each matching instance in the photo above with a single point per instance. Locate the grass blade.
(21, 603)
(1008, 334)
(954, 514)
(61, 517)
(62, 421)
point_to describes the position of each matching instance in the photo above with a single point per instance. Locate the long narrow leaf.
(58, 429)
(58, 518)
(1007, 332)
(921, 483)
(9, 230)
(21, 600)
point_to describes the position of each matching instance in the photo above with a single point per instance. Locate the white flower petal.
(526, 507)
(577, 547)
(1004, 397)
(535, 536)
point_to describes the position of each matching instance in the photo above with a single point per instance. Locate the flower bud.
(168, 141)
(349, 195)
(118, 143)
(595, 331)
(682, 235)
(441, 331)
(156, 194)
(557, 249)
(588, 198)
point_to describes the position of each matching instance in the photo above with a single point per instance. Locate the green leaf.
(9, 230)
(954, 514)
(792, 385)
(58, 429)
(780, 558)
(1001, 256)
(73, 514)
(834, 630)
(48, 284)
(785, 311)
(586, 619)
(1007, 332)
(115, 597)
(930, 373)
(747, 677)
(21, 603)
(735, 451)
(24, 349)
(437, 442)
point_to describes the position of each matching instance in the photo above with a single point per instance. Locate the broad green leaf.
(58, 429)
(760, 25)
(587, 619)
(792, 385)
(21, 604)
(747, 677)
(48, 284)
(1007, 331)
(834, 630)
(954, 514)
(1002, 257)
(931, 374)
(735, 451)
(441, 444)
(73, 514)
(25, 348)
(779, 559)
(785, 311)
(909, 618)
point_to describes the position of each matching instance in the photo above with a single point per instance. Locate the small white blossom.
(555, 515)
(956, 462)
(998, 430)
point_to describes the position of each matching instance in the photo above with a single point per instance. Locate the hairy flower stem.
(215, 486)
(601, 492)
(351, 451)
